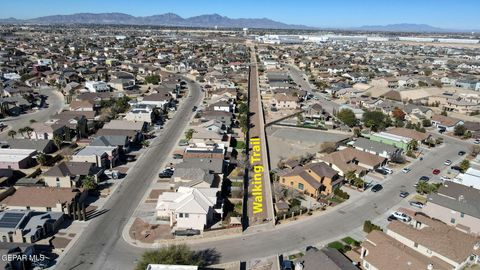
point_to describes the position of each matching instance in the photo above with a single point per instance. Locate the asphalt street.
(55, 103)
(101, 245)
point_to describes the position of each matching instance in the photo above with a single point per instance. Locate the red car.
(436, 171)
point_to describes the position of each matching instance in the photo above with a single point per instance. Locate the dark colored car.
(391, 218)
(456, 168)
(287, 265)
(381, 171)
(165, 173)
(404, 194)
(461, 153)
(377, 188)
(194, 108)
(424, 178)
(436, 171)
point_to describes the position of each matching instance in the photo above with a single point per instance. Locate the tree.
(57, 141)
(347, 117)
(359, 183)
(464, 165)
(89, 183)
(398, 114)
(475, 150)
(189, 134)
(243, 122)
(376, 120)
(412, 145)
(174, 254)
(42, 159)
(300, 119)
(29, 131)
(350, 175)
(459, 130)
(242, 108)
(152, 79)
(426, 123)
(368, 226)
(11, 133)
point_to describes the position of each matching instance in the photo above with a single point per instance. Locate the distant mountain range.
(167, 19)
(210, 20)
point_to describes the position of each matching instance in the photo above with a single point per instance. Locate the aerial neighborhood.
(265, 149)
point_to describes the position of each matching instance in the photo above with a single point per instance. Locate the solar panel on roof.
(10, 220)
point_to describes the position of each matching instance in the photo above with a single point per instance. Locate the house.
(71, 174)
(409, 133)
(41, 145)
(157, 100)
(314, 179)
(16, 159)
(350, 159)
(212, 165)
(398, 141)
(376, 148)
(45, 199)
(126, 125)
(284, 101)
(456, 205)
(325, 259)
(172, 267)
(122, 84)
(214, 125)
(382, 252)
(195, 177)
(82, 105)
(222, 106)
(222, 116)
(141, 113)
(445, 122)
(120, 141)
(471, 178)
(189, 208)
(46, 131)
(102, 156)
(25, 226)
(97, 86)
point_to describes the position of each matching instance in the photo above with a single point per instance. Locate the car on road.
(377, 188)
(391, 218)
(477, 141)
(436, 171)
(447, 162)
(401, 216)
(404, 194)
(381, 171)
(445, 178)
(416, 204)
(167, 173)
(461, 153)
(406, 170)
(194, 108)
(424, 178)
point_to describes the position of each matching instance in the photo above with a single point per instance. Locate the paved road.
(101, 245)
(56, 103)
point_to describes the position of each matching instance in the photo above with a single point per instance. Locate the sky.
(452, 14)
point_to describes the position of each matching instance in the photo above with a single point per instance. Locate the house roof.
(39, 145)
(188, 200)
(193, 175)
(384, 252)
(214, 165)
(409, 133)
(346, 155)
(375, 146)
(445, 120)
(110, 140)
(457, 197)
(438, 237)
(320, 169)
(40, 196)
(125, 125)
(72, 169)
(327, 258)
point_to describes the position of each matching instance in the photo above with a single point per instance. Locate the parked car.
(381, 171)
(388, 170)
(416, 204)
(436, 171)
(406, 170)
(401, 216)
(287, 265)
(477, 141)
(194, 108)
(461, 153)
(447, 162)
(445, 178)
(404, 194)
(424, 178)
(377, 188)
(165, 173)
(456, 168)
(392, 218)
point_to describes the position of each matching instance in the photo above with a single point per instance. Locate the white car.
(477, 141)
(406, 170)
(445, 178)
(401, 216)
(447, 162)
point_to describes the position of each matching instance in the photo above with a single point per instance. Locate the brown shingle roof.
(40, 196)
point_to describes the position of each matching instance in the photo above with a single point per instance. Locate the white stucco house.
(189, 208)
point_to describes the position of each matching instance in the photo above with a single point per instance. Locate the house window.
(452, 221)
(49, 209)
(180, 215)
(300, 186)
(186, 215)
(28, 207)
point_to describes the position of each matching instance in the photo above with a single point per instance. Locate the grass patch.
(335, 199)
(349, 240)
(240, 145)
(420, 198)
(336, 245)
(238, 207)
(237, 184)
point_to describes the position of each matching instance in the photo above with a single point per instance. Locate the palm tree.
(423, 187)
(350, 175)
(412, 145)
(57, 140)
(89, 183)
(12, 133)
(29, 131)
(22, 131)
(42, 158)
